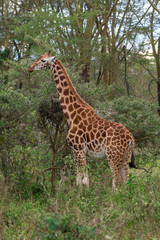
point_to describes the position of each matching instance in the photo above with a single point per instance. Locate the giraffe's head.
(43, 62)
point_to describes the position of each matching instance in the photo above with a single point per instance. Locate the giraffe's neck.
(68, 97)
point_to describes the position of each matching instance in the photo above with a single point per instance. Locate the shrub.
(138, 116)
(62, 227)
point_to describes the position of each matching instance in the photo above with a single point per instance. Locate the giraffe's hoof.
(85, 181)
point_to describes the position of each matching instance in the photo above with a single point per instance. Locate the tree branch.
(19, 5)
(105, 21)
(124, 36)
(154, 6)
(148, 71)
(46, 130)
(149, 87)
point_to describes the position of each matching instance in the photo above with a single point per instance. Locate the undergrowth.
(132, 212)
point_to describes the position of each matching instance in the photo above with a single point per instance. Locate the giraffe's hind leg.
(82, 177)
(116, 172)
(125, 166)
(124, 171)
(115, 162)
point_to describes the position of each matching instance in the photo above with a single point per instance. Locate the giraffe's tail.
(131, 163)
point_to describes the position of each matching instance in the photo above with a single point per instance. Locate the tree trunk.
(53, 173)
(125, 70)
(158, 89)
(158, 75)
(55, 148)
(104, 56)
(86, 72)
(111, 78)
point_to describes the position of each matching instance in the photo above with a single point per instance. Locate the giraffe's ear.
(53, 58)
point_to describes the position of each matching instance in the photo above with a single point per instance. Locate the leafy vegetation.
(132, 212)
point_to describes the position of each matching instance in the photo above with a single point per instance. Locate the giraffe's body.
(88, 133)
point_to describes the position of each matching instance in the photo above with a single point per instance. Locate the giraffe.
(88, 133)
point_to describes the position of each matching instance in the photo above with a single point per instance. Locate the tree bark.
(53, 173)
(157, 57)
(86, 72)
(125, 70)
(158, 75)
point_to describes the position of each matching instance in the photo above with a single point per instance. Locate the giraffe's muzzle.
(29, 69)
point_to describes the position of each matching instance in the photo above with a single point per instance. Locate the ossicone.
(47, 53)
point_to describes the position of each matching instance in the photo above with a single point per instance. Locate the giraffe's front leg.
(82, 177)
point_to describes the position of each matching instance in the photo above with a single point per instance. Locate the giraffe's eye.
(43, 60)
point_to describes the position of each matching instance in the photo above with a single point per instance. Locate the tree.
(53, 122)
(79, 31)
(154, 39)
(121, 28)
(156, 54)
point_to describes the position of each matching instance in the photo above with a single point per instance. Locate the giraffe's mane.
(72, 87)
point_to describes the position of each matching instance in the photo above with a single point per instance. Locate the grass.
(132, 212)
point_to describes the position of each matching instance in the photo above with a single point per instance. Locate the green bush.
(62, 227)
(138, 116)
(13, 107)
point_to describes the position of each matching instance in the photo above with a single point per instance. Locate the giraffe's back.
(101, 134)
